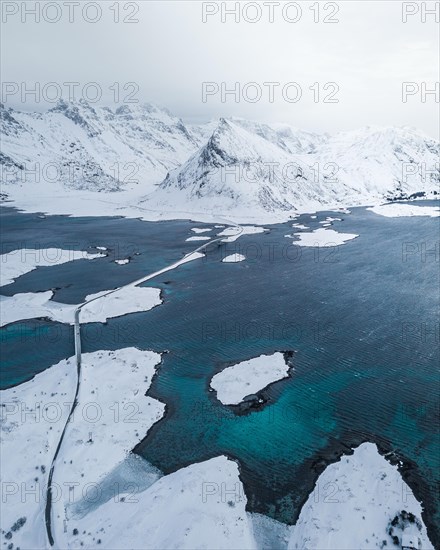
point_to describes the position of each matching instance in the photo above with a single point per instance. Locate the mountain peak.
(80, 113)
(63, 105)
(228, 164)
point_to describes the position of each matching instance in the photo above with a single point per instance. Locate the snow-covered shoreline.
(96, 308)
(396, 210)
(102, 435)
(102, 491)
(18, 262)
(129, 299)
(368, 489)
(201, 506)
(353, 504)
(88, 203)
(112, 416)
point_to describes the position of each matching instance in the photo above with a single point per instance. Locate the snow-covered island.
(323, 238)
(236, 382)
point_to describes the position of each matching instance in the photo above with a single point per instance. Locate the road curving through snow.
(195, 254)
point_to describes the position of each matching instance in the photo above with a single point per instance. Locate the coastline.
(407, 469)
(89, 203)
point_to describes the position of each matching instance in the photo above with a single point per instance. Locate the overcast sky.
(170, 52)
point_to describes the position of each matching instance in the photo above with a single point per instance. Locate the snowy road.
(195, 254)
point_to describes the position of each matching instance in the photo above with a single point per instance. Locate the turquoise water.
(362, 319)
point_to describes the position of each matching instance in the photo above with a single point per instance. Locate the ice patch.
(233, 233)
(201, 229)
(201, 238)
(234, 258)
(299, 226)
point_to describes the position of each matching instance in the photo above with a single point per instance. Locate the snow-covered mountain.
(237, 170)
(247, 166)
(231, 166)
(94, 148)
(291, 140)
(388, 163)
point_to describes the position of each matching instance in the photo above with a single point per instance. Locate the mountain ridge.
(230, 164)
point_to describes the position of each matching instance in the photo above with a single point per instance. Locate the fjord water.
(362, 319)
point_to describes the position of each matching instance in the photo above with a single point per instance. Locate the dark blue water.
(363, 319)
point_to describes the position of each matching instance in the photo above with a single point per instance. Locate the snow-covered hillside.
(248, 168)
(236, 168)
(291, 140)
(390, 163)
(83, 147)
